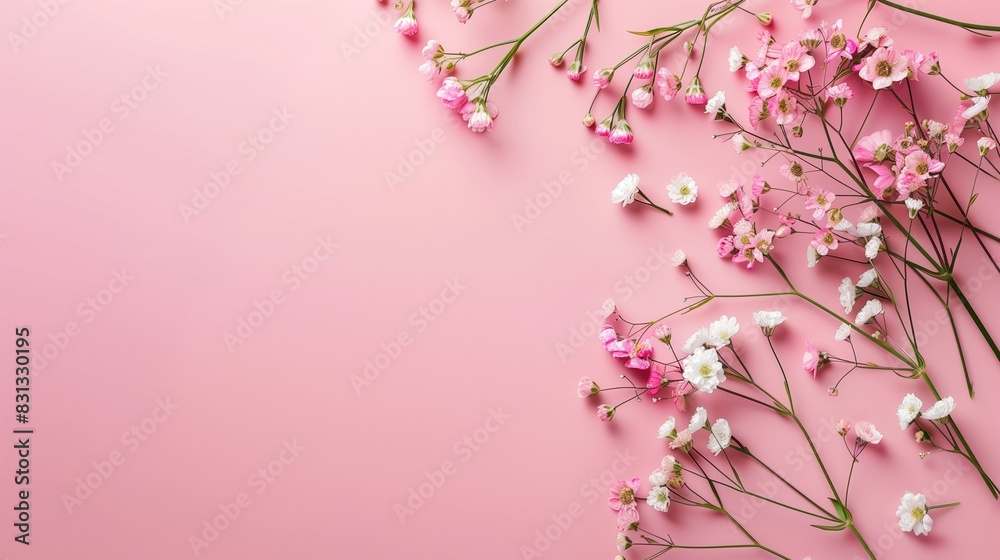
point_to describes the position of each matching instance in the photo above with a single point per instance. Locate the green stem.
(914, 11)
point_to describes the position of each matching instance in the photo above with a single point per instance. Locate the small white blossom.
(659, 498)
(607, 308)
(721, 436)
(678, 258)
(843, 332)
(908, 410)
(721, 215)
(667, 429)
(978, 106)
(698, 339)
(626, 190)
(740, 145)
(716, 104)
(721, 332)
(768, 320)
(682, 190)
(698, 419)
(940, 409)
(913, 515)
(977, 84)
(703, 370)
(848, 294)
(735, 59)
(872, 308)
(872, 248)
(867, 278)
(913, 206)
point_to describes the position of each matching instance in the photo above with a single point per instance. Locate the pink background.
(493, 350)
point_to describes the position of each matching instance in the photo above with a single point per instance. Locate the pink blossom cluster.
(476, 111)
(748, 242)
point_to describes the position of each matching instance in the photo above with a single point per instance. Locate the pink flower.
(922, 164)
(680, 393)
(839, 46)
(758, 111)
(785, 108)
(953, 141)
(885, 181)
(667, 83)
(876, 38)
(843, 426)
(811, 38)
(810, 360)
(819, 201)
(884, 67)
(794, 172)
(608, 337)
(824, 241)
(603, 77)
(605, 412)
(407, 25)
(642, 97)
(840, 94)
(603, 129)
(682, 440)
(771, 81)
(432, 50)
(638, 353)
(914, 61)
(867, 433)
(586, 387)
(795, 59)
(908, 181)
(623, 501)
(875, 147)
(805, 5)
(725, 247)
(655, 380)
(575, 71)
(931, 64)
(694, 94)
(621, 133)
(644, 70)
(452, 94)
(430, 70)
(481, 119)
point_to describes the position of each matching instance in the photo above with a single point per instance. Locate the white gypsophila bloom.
(679, 258)
(721, 332)
(736, 59)
(659, 498)
(848, 294)
(715, 104)
(812, 256)
(768, 320)
(728, 188)
(698, 419)
(659, 477)
(740, 145)
(867, 278)
(626, 190)
(703, 369)
(843, 225)
(867, 229)
(913, 206)
(667, 429)
(743, 227)
(721, 436)
(978, 106)
(908, 410)
(872, 308)
(843, 332)
(913, 515)
(940, 409)
(977, 84)
(721, 215)
(682, 190)
(608, 307)
(872, 248)
(699, 338)
(622, 542)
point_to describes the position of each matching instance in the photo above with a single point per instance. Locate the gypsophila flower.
(662, 333)
(678, 258)
(871, 308)
(720, 437)
(913, 206)
(698, 419)
(407, 25)
(695, 94)
(908, 410)
(667, 84)
(622, 542)
(659, 477)
(608, 308)
(736, 59)
(622, 500)
(985, 145)
(721, 215)
(740, 145)
(913, 515)
(605, 412)
(868, 278)
(981, 84)
(668, 429)
(978, 106)
(940, 409)
(682, 190)
(884, 67)
(586, 387)
(805, 5)
(659, 498)
(848, 294)
(721, 332)
(621, 133)
(716, 105)
(768, 320)
(626, 190)
(698, 339)
(812, 256)
(813, 359)
(867, 433)
(843, 332)
(642, 97)
(703, 369)
(872, 248)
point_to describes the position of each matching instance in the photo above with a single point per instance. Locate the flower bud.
(764, 18)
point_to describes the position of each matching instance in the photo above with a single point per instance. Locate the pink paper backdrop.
(225, 253)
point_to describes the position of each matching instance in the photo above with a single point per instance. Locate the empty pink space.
(284, 304)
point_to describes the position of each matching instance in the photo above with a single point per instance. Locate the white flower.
(721, 332)
(913, 206)
(698, 419)
(843, 332)
(740, 144)
(607, 308)
(735, 59)
(768, 320)
(728, 188)
(848, 294)
(867, 433)
(940, 409)
(867, 278)
(977, 84)
(659, 477)
(698, 339)
(872, 308)
(985, 144)
(667, 429)
(703, 370)
(682, 190)
(912, 514)
(978, 106)
(721, 436)
(721, 215)
(908, 410)
(668, 463)
(872, 247)
(622, 542)
(659, 498)
(678, 258)
(867, 229)
(642, 97)
(812, 256)
(715, 104)
(626, 190)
